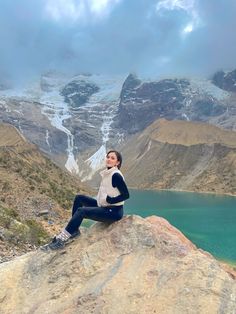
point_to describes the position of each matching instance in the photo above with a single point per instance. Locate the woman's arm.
(119, 183)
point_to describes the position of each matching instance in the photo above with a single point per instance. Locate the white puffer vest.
(106, 187)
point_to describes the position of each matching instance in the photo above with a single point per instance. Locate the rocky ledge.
(134, 265)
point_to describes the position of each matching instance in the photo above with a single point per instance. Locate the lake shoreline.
(229, 267)
(187, 191)
(228, 262)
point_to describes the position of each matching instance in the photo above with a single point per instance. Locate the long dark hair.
(118, 156)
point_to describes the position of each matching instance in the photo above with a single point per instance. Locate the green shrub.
(37, 234)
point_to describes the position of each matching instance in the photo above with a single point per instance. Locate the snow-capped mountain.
(67, 116)
(75, 119)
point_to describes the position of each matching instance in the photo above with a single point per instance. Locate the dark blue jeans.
(87, 207)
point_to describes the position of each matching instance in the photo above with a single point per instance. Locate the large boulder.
(134, 265)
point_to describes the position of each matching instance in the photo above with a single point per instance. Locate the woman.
(108, 207)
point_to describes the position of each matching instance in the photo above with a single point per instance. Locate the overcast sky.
(149, 37)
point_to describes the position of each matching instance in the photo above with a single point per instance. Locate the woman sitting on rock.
(108, 207)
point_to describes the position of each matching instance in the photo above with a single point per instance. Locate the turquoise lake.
(208, 220)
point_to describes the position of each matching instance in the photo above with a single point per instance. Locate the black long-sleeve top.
(119, 183)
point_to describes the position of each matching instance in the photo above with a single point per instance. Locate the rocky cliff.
(142, 102)
(182, 155)
(134, 265)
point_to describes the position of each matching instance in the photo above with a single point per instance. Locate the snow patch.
(209, 88)
(47, 140)
(20, 128)
(96, 161)
(149, 145)
(71, 164)
(56, 109)
(185, 116)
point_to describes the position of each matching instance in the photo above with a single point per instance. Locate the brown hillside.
(165, 156)
(189, 133)
(10, 136)
(35, 194)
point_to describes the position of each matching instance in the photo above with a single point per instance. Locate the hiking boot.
(46, 247)
(53, 245)
(56, 244)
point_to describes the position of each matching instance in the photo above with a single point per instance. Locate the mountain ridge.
(76, 133)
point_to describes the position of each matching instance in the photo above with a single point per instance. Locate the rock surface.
(77, 93)
(134, 265)
(142, 102)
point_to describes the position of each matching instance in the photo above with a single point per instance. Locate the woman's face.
(111, 160)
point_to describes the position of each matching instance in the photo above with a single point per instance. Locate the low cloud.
(152, 38)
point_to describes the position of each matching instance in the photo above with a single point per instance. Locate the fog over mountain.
(153, 38)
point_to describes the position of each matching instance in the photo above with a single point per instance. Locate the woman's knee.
(79, 200)
(79, 197)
